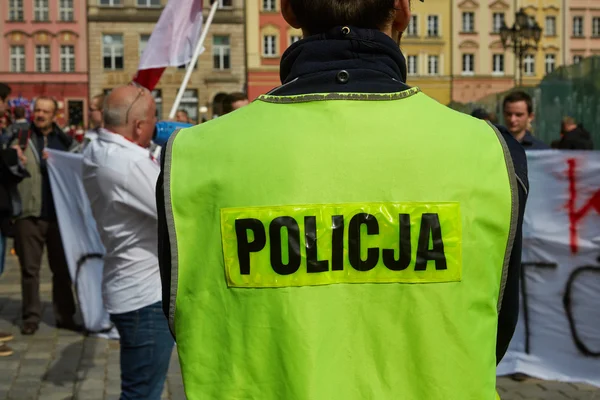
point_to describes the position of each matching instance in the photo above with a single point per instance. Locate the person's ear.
(288, 14)
(402, 15)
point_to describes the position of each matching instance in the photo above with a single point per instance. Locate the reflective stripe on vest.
(353, 248)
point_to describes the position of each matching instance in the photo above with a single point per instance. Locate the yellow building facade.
(427, 47)
(551, 54)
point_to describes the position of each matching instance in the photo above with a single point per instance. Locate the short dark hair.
(52, 99)
(319, 16)
(4, 91)
(232, 98)
(517, 96)
(19, 112)
(183, 111)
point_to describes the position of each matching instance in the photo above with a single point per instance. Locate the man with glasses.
(119, 176)
(95, 118)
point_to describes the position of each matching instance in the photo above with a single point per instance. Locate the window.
(468, 64)
(550, 26)
(468, 22)
(65, 10)
(433, 26)
(17, 58)
(529, 64)
(269, 5)
(148, 3)
(578, 26)
(112, 51)
(294, 39)
(225, 4)
(143, 42)
(110, 3)
(15, 10)
(498, 64)
(577, 59)
(433, 65)
(498, 22)
(413, 26)
(67, 58)
(596, 27)
(157, 94)
(42, 58)
(550, 63)
(269, 46)
(40, 10)
(189, 102)
(413, 65)
(221, 53)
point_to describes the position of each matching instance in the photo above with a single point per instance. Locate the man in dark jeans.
(37, 225)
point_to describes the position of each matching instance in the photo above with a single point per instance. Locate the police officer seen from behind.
(344, 236)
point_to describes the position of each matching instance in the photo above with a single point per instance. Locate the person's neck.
(46, 131)
(126, 135)
(520, 136)
(21, 120)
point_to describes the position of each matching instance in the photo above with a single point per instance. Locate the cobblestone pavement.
(55, 364)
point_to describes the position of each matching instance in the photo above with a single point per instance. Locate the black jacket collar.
(372, 60)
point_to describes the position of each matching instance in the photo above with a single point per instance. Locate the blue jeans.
(146, 346)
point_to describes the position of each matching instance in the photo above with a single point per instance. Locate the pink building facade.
(44, 43)
(583, 29)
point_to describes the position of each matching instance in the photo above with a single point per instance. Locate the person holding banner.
(344, 236)
(119, 176)
(37, 225)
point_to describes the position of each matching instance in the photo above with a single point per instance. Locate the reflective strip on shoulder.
(514, 211)
(171, 229)
(324, 244)
(303, 98)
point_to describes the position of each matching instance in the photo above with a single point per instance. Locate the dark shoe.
(6, 337)
(29, 328)
(70, 326)
(5, 351)
(519, 377)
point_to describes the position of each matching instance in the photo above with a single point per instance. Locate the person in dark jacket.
(573, 136)
(9, 177)
(518, 116)
(37, 225)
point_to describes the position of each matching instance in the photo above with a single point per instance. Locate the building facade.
(549, 14)
(119, 31)
(44, 43)
(426, 45)
(480, 65)
(582, 36)
(267, 36)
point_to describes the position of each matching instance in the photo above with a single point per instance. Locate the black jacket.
(577, 139)
(373, 64)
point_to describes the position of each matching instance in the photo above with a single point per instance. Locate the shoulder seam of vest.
(169, 215)
(303, 98)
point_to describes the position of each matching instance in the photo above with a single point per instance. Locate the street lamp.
(523, 37)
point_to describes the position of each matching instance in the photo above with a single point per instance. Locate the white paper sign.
(558, 334)
(81, 241)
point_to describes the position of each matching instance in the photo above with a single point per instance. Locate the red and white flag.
(172, 42)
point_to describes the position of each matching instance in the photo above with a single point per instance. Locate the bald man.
(119, 176)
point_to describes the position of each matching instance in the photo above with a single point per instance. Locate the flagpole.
(190, 68)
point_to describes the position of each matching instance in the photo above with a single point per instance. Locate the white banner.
(83, 248)
(558, 334)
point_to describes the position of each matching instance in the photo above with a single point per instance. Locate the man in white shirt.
(119, 175)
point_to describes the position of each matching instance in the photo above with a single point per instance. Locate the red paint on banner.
(576, 216)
